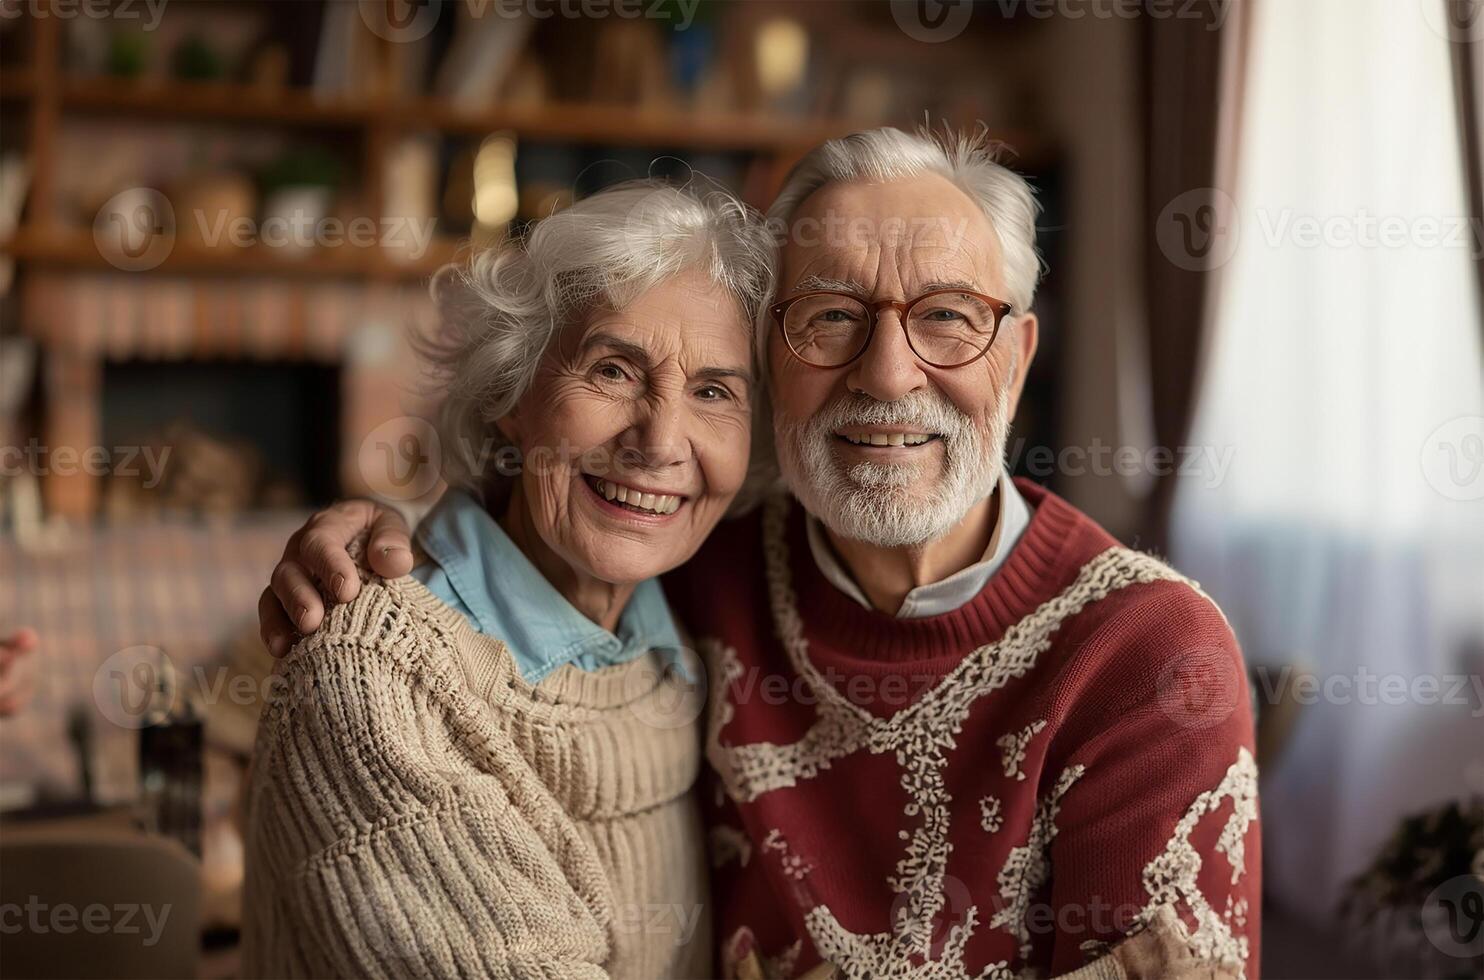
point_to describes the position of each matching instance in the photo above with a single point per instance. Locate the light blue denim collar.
(478, 570)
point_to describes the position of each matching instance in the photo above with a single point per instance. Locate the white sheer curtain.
(1346, 375)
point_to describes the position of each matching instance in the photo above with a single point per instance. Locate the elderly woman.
(480, 774)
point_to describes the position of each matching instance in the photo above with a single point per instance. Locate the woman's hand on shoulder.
(317, 556)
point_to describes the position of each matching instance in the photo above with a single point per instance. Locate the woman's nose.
(656, 439)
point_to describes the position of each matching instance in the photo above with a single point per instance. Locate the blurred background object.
(218, 221)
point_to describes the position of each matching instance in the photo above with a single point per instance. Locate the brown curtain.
(1465, 20)
(1192, 86)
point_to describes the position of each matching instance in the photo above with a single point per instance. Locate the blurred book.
(15, 179)
(487, 43)
(346, 65)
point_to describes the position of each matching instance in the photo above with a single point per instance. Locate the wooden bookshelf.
(45, 99)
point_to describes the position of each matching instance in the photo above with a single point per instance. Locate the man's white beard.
(887, 504)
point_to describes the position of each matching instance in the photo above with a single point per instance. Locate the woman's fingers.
(297, 595)
(273, 624)
(390, 546)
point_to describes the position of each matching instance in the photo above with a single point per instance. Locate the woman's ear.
(509, 426)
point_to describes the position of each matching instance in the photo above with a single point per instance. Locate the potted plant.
(298, 189)
(1422, 900)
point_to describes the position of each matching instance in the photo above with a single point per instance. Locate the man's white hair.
(968, 158)
(498, 315)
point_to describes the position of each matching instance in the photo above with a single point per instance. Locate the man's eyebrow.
(833, 285)
(935, 285)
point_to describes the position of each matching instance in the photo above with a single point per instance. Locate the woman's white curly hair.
(499, 313)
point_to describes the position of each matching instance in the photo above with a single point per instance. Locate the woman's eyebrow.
(717, 373)
(627, 348)
(640, 356)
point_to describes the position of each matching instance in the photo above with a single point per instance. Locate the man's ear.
(1025, 338)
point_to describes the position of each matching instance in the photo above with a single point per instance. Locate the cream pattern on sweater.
(417, 809)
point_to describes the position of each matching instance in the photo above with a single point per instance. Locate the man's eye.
(943, 314)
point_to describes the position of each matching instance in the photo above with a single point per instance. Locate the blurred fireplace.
(220, 436)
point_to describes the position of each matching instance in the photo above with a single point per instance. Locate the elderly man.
(955, 728)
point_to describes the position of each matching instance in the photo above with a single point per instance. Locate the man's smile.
(885, 436)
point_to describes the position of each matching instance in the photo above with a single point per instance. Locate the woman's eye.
(610, 372)
(713, 393)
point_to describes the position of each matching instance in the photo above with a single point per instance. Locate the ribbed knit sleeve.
(394, 831)
(1150, 799)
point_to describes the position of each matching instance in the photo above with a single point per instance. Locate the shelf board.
(575, 122)
(77, 249)
(211, 102)
(623, 125)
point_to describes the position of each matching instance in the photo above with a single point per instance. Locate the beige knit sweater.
(417, 809)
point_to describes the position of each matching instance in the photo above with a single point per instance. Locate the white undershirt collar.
(1012, 517)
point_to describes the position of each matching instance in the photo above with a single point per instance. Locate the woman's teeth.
(888, 439)
(654, 503)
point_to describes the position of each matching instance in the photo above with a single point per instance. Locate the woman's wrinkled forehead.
(687, 315)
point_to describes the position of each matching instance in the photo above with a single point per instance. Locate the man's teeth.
(655, 503)
(889, 439)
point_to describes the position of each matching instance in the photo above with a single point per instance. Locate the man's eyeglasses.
(946, 328)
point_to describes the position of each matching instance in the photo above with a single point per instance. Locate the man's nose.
(888, 370)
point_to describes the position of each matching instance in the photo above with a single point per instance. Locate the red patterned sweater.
(1005, 790)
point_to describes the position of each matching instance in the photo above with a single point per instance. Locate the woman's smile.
(633, 504)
